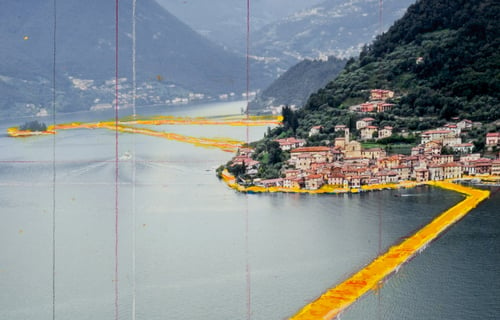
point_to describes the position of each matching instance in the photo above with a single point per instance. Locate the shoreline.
(230, 180)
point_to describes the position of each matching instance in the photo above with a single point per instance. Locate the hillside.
(172, 59)
(442, 60)
(296, 85)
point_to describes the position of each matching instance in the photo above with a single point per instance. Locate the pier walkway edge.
(335, 300)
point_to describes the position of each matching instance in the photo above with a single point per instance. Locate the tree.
(237, 169)
(290, 120)
(275, 153)
(33, 126)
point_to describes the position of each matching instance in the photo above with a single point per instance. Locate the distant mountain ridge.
(294, 87)
(224, 21)
(332, 28)
(172, 60)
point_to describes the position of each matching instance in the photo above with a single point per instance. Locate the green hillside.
(441, 59)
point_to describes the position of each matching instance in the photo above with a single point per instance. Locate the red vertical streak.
(247, 249)
(54, 163)
(116, 159)
(379, 298)
(248, 65)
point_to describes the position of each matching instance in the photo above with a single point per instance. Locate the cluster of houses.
(347, 164)
(365, 127)
(377, 102)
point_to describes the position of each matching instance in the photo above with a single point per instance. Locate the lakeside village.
(345, 164)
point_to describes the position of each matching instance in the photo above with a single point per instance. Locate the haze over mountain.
(172, 59)
(224, 21)
(294, 87)
(332, 28)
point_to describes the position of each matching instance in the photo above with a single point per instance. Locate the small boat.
(125, 156)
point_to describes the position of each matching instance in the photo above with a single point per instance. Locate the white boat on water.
(125, 156)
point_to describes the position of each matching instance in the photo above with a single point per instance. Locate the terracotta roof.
(314, 176)
(311, 149)
(437, 131)
(453, 164)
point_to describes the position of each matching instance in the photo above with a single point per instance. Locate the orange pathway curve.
(335, 300)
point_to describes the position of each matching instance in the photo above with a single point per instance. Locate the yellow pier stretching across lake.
(337, 299)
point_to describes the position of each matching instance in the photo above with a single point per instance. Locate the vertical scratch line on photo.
(380, 225)
(116, 160)
(134, 90)
(247, 218)
(54, 176)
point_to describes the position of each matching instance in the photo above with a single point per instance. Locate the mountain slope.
(442, 60)
(296, 85)
(224, 21)
(334, 27)
(171, 57)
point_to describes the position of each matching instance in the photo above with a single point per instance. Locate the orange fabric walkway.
(337, 299)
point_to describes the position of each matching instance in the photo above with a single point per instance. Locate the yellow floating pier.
(225, 144)
(124, 125)
(337, 299)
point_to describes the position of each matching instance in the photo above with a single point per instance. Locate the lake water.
(203, 251)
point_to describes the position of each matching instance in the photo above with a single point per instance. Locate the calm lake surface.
(203, 251)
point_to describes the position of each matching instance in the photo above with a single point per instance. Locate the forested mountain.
(296, 85)
(442, 60)
(172, 59)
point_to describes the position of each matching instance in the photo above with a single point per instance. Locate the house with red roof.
(465, 124)
(381, 94)
(436, 135)
(463, 148)
(313, 181)
(364, 123)
(315, 130)
(385, 132)
(287, 144)
(421, 175)
(452, 170)
(492, 139)
(368, 107)
(303, 157)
